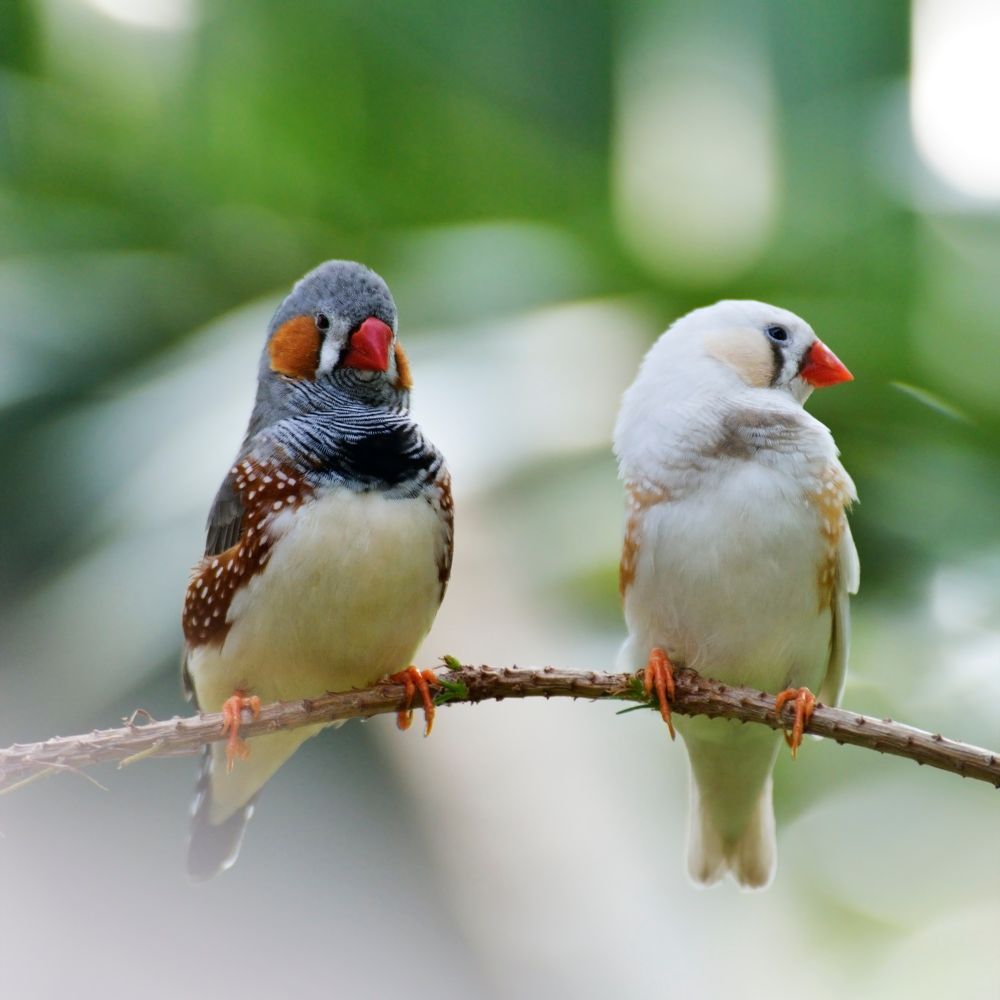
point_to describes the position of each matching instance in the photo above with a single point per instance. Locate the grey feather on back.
(745, 433)
(187, 685)
(224, 520)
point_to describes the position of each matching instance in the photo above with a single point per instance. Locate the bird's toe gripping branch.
(232, 711)
(659, 676)
(805, 702)
(414, 680)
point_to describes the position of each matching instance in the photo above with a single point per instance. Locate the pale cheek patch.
(746, 352)
(294, 348)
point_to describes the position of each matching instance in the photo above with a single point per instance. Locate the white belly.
(726, 583)
(350, 590)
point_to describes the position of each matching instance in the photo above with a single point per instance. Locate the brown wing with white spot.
(260, 492)
(440, 499)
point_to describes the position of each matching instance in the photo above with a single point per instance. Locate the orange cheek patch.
(404, 380)
(294, 348)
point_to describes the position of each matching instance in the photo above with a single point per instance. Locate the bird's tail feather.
(224, 799)
(749, 855)
(213, 847)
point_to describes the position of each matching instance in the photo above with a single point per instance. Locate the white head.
(734, 354)
(738, 343)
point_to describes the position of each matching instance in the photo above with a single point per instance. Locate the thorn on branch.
(696, 695)
(130, 720)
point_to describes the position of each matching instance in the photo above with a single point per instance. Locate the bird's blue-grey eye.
(322, 322)
(777, 333)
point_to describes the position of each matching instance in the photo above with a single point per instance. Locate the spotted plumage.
(328, 548)
(441, 502)
(737, 560)
(263, 490)
(831, 495)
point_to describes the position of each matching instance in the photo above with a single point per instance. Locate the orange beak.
(368, 349)
(823, 367)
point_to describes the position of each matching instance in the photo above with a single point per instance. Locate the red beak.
(824, 367)
(368, 348)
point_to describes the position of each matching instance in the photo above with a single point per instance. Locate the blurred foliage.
(158, 178)
(146, 192)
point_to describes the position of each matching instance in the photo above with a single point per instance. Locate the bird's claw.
(414, 680)
(805, 702)
(659, 676)
(232, 711)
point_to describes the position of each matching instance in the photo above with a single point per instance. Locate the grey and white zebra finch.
(738, 559)
(328, 546)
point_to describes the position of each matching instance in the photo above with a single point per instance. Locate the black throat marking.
(778, 353)
(363, 447)
(387, 458)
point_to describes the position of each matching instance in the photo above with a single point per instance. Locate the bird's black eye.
(777, 333)
(322, 322)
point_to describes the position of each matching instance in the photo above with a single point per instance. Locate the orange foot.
(232, 710)
(805, 702)
(414, 680)
(660, 675)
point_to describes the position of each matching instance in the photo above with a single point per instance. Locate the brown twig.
(695, 696)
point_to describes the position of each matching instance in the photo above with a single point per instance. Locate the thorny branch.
(696, 695)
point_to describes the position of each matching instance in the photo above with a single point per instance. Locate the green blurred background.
(545, 187)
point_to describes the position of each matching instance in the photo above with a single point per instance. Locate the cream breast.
(350, 590)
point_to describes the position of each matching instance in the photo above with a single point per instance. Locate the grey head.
(331, 342)
(332, 391)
